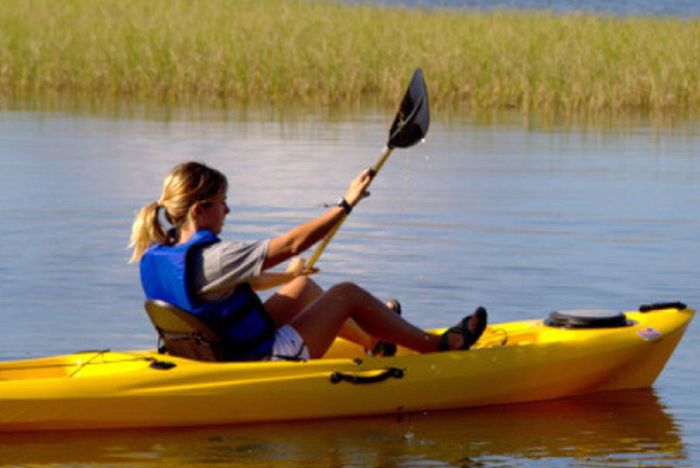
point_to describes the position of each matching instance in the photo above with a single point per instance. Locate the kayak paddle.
(409, 127)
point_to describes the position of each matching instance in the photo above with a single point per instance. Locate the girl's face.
(212, 214)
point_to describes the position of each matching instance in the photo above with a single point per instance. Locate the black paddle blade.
(411, 123)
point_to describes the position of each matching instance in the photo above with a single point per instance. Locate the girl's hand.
(271, 279)
(297, 267)
(358, 187)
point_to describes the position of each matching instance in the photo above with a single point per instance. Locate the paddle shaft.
(326, 240)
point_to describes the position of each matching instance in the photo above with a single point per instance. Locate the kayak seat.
(182, 334)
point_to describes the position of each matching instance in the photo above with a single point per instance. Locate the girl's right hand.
(358, 187)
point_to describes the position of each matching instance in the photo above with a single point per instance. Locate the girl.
(190, 267)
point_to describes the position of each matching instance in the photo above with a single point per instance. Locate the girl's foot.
(464, 335)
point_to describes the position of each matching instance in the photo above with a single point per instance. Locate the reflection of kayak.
(629, 427)
(513, 362)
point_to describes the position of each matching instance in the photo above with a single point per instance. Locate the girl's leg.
(291, 299)
(320, 321)
(296, 295)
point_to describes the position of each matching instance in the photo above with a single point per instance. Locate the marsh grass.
(319, 53)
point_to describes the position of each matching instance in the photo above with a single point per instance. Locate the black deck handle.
(391, 372)
(162, 365)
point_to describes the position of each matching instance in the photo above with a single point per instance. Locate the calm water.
(521, 221)
(678, 8)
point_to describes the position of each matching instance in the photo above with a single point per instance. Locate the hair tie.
(172, 236)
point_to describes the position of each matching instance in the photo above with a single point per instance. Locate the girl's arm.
(300, 238)
(268, 279)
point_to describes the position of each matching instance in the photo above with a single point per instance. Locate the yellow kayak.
(569, 353)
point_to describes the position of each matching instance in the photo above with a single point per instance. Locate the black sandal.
(384, 348)
(469, 337)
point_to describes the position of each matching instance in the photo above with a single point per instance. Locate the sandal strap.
(472, 337)
(444, 340)
(444, 344)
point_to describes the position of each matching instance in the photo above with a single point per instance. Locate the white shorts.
(289, 345)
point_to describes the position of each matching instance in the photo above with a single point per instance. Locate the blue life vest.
(246, 329)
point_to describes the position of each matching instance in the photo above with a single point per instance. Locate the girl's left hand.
(297, 267)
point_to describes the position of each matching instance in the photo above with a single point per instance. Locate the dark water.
(521, 221)
(677, 8)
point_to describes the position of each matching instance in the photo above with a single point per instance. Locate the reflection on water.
(615, 428)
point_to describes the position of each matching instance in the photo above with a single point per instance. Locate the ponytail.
(146, 231)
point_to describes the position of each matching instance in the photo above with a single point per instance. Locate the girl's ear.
(195, 211)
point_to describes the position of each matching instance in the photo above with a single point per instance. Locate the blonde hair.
(185, 185)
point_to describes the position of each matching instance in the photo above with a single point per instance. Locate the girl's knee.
(346, 289)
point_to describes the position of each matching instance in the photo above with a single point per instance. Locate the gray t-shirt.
(219, 268)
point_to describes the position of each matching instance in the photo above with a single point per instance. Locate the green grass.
(318, 53)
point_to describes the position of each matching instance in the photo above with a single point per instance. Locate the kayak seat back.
(182, 334)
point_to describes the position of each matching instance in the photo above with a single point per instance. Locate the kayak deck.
(512, 362)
